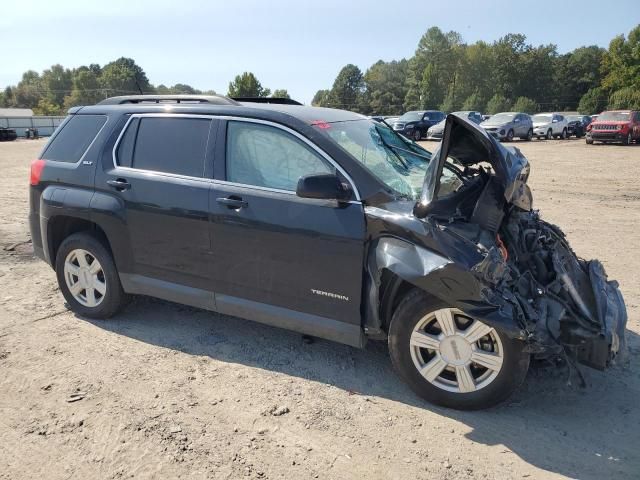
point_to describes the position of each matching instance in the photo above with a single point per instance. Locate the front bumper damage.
(562, 302)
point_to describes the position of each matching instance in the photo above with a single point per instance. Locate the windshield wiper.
(392, 150)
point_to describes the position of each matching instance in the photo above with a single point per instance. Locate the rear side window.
(74, 139)
(169, 145)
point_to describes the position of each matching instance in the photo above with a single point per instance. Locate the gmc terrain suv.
(324, 222)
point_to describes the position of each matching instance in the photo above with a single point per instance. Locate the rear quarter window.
(75, 137)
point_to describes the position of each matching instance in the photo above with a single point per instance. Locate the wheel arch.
(60, 227)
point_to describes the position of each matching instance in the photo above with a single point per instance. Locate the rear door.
(161, 175)
(273, 248)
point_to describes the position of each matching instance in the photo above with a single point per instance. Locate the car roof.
(216, 105)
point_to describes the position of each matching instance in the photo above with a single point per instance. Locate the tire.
(589, 141)
(628, 140)
(100, 305)
(417, 135)
(563, 135)
(549, 135)
(499, 382)
(529, 135)
(509, 136)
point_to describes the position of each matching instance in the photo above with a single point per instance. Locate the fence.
(45, 125)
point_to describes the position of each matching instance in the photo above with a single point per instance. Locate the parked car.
(508, 125)
(615, 126)
(435, 132)
(324, 222)
(7, 134)
(577, 125)
(549, 126)
(390, 120)
(415, 124)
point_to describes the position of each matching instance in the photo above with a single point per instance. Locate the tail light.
(36, 171)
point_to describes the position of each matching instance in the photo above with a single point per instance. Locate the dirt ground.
(166, 391)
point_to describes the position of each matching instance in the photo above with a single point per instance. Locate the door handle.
(119, 184)
(233, 202)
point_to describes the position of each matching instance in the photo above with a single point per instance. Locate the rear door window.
(165, 144)
(75, 137)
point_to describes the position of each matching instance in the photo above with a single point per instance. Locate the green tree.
(621, 63)
(385, 87)
(592, 102)
(47, 107)
(86, 89)
(625, 98)
(247, 85)
(451, 102)
(56, 82)
(475, 102)
(347, 89)
(124, 77)
(322, 98)
(498, 103)
(280, 93)
(526, 105)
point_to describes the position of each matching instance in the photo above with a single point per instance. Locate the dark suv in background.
(324, 222)
(415, 124)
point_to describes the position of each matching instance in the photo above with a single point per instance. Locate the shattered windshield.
(399, 163)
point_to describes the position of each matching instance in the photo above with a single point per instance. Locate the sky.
(296, 45)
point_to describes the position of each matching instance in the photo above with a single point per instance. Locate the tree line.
(509, 74)
(57, 89)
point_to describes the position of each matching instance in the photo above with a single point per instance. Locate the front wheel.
(88, 278)
(417, 135)
(549, 134)
(510, 136)
(452, 359)
(589, 141)
(529, 135)
(563, 135)
(628, 140)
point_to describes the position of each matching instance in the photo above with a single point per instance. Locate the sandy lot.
(172, 392)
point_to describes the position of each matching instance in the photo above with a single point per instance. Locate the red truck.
(615, 126)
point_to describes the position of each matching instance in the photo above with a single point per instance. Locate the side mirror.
(326, 186)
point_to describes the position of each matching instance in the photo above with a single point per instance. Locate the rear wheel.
(452, 359)
(88, 278)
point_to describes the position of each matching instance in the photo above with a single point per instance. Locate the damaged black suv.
(327, 223)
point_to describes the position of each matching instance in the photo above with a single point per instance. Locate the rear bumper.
(36, 237)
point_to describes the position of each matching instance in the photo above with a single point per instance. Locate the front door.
(273, 248)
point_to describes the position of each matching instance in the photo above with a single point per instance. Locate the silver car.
(508, 125)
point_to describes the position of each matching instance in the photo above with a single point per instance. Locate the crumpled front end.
(563, 301)
(527, 280)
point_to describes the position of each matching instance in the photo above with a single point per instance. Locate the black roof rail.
(137, 99)
(273, 100)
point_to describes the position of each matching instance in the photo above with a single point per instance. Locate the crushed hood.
(469, 144)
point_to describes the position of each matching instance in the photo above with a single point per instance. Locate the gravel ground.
(166, 391)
